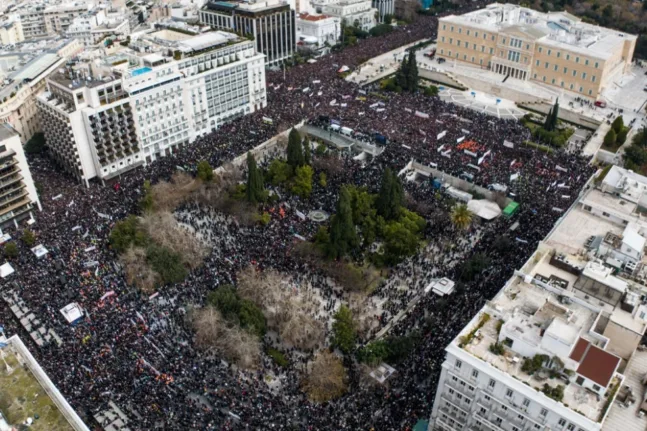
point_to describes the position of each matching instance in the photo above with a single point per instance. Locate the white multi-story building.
(358, 13)
(556, 346)
(11, 31)
(270, 23)
(318, 30)
(27, 65)
(95, 26)
(45, 19)
(18, 196)
(149, 105)
(384, 7)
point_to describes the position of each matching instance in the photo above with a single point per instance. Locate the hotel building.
(556, 49)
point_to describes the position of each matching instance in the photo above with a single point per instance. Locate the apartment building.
(25, 68)
(94, 26)
(43, 19)
(149, 102)
(271, 24)
(317, 30)
(359, 13)
(555, 49)
(11, 31)
(18, 197)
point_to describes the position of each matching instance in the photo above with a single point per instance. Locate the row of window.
(467, 45)
(468, 32)
(570, 87)
(567, 56)
(565, 70)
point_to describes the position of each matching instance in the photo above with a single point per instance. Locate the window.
(458, 364)
(482, 48)
(571, 87)
(575, 73)
(515, 428)
(570, 427)
(586, 62)
(581, 89)
(577, 59)
(442, 39)
(474, 46)
(555, 68)
(444, 26)
(562, 422)
(468, 32)
(549, 51)
(642, 314)
(521, 417)
(503, 41)
(540, 49)
(527, 46)
(590, 92)
(568, 56)
(537, 426)
(492, 383)
(451, 391)
(543, 412)
(537, 63)
(475, 374)
(565, 70)
(451, 40)
(596, 64)
(593, 78)
(471, 388)
(451, 29)
(559, 54)
(491, 50)
(484, 35)
(546, 65)
(553, 81)
(460, 30)
(526, 402)
(482, 411)
(476, 34)
(504, 408)
(454, 378)
(606, 215)
(583, 75)
(487, 397)
(509, 393)
(596, 388)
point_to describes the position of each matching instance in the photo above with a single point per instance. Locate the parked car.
(600, 104)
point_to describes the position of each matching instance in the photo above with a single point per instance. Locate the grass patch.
(278, 357)
(540, 147)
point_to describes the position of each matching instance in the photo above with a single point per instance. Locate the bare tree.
(214, 334)
(290, 314)
(326, 378)
(165, 231)
(169, 195)
(138, 272)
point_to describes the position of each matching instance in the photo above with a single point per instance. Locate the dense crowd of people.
(137, 351)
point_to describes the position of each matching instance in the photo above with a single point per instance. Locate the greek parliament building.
(144, 102)
(271, 24)
(555, 48)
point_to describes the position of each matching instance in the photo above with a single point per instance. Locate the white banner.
(470, 153)
(441, 135)
(558, 210)
(512, 162)
(446, 154)
(408, 110)
(421, 114)
(461, 139)
(508, 144)
(441, 148)
(474, 167)
(559, 168)
(433, 165)
(465, 132)
(514, 177)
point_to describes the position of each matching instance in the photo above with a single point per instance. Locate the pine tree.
(342, 229)
(549, 119)
(307, 152)
(391, 196)
(402, 74)
(255, 191)
(295, 149)
(412, 72)
(553, 121)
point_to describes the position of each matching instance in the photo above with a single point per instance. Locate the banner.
(408, 110)
(508, 144)
(441, 135)
(474, 167)
(470, 153)
(446, 154)
(465, 132)
(267, 120)
(559, 168)
(514, 177)
(461, 139)
(421, 114)
(441, 148)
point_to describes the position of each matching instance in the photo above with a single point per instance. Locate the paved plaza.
(482, 102)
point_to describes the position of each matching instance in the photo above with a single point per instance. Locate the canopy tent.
(485, 209)
(6, 270)
(511, 209)
(72, 312)
(39, 251)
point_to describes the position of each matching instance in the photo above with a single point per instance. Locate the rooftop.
(23, 395)
(560, 29)
(307, 17)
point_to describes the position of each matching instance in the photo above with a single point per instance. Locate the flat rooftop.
(626, 418)
(22, 396)
(560, 29)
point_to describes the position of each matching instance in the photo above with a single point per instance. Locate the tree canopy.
(205, 171)
(255, 190)
(390, 197)
(343, 330)
(295, 149)
(343, 237)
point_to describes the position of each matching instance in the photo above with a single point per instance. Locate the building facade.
(555, 49)
(18, 196)
(39, 20)
(384, 7)
(151, 104)
(93, 27)
(271, 24)
(318, 29)
(11, 32)
(359, 13)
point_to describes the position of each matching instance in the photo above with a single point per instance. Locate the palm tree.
(461, 216)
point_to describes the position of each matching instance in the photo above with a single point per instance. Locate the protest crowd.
(138, 353)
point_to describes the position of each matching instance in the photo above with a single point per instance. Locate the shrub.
(205, 171)
(225, 299)
(251, 318)
(279, 172)
(303, 181)
(373, 353)
(278, 357)
(264, 218)
(128, 232)
(28, 237)
(323, 182)
(11, 249)
(343, 329)
(497, 348)
(533, 365)
(432, 90)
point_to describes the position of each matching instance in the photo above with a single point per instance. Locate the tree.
(555, 115)
(166, 263)
(307, 152)
(303, 181)
(295, 149)
(342, 230)
(380, 29)
(373, 353)
(255, 191)
(610, 138)
(391, 196)
(205, 171)
(461, 216)
(251, 318)
(432, 90)
(402, 75)
(11, 249)
(621, 138)
(399, 242)
(279, 172)
(322, 179)
(147, 203)
(225, 299)
(343, 330)
(635, 156)
(128, 232)
(412, 71)
(549, 119)
(36, 144)
(618, 124)
(28, 237)
(326, 379)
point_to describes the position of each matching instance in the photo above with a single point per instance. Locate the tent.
(72, 312)
(343, 69)
(6, 270)
(511, 209)
(39, 251)
(421, 425)
(485, 209)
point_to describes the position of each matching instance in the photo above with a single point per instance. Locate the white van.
(347, 131)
